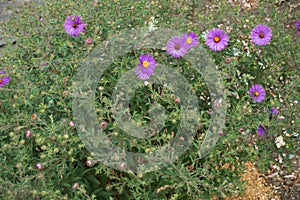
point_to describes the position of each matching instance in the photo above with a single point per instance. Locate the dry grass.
(256, 187)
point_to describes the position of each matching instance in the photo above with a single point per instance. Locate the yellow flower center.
(0, 80)
(217, 39)
(261, 35)
(74, 25)
(189, 40)
(145, 64)
(177, 46)
(256, 94)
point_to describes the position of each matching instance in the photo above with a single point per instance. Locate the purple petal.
(261, 35)
(273, 111)
(223, 39)
(261, 131)
(261, 93)
(74, 31)
(5, 80)
(145, 72)
(176, 47)
(298, 26)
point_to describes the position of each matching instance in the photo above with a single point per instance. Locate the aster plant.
(217, 39)
(3, 79)
(257, 93)
(73, 25)
(177, 47)
(261, 35)
(146, 67)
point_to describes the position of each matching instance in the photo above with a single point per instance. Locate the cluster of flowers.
(216, 40)
(258, 94)
(177, 47)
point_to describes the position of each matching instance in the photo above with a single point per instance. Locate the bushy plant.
(42, 156)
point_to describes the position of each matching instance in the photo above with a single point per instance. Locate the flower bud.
(27, 133)
(89, 163)
(39, 165)
(72, 124)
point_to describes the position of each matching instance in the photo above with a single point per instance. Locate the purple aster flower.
(217, 39)
(261, 131)
(3, 79)
(273, 111)
(176, 47)
(146, 67)
(190, 39)
(261, 35)
(73, 25)
(298, 26)
(257, 93)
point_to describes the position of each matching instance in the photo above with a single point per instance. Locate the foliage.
(43, 67)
